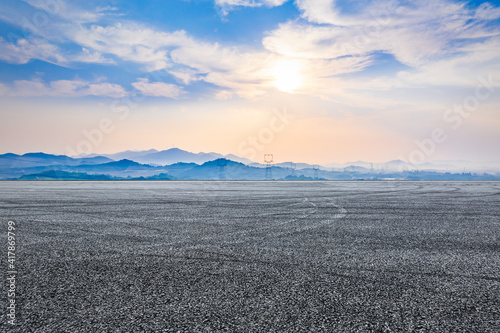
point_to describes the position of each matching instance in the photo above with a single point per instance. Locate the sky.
(316, 81)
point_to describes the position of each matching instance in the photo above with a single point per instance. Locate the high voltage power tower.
(268, 159)
(293, 167)
(316, 171)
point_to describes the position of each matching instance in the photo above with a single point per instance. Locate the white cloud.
(130, 42)
(413, 34)
(92, 57)
(227, 5)
(444, 42)
(100, 9)
(464, 69)
(64, 10)
(250, 3)
(223, 95)
(186, 75)
(487, 12)
(159, 89)
(247, 73)
(105, 89)
(24, 50)
(434, 37)
(32, 48)
(63, 88)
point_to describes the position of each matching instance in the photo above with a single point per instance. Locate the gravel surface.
(253, 256)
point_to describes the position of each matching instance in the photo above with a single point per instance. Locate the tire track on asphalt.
(276, 230)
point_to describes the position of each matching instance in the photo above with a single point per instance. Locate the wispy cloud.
(414, 33)
(65, 10)
(23, 50)
(158, 89)
(130, 42)
(63, 88)
(228, 5)
(434, 39)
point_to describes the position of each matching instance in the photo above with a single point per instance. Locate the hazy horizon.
(442, 165)
(315, 81)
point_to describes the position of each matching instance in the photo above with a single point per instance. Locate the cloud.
(473, 61)
(92, 57)
(186, 75)
(228, 5)
(158, 89)
(223, 95)
(250, 3)
(64, 10)
(100, 9)
(26, 49)
(64, 88)
(441, 41)
(437, 40)
(105, 89)
(130, 42)
(414, 34)
(245, 72)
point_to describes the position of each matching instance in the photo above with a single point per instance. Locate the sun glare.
(287, 75)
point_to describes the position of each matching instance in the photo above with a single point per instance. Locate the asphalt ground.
(252, 256)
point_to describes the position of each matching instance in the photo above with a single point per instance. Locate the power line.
(269, 160)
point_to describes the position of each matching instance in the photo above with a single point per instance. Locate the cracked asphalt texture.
(257, 256)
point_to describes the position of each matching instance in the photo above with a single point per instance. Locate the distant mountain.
(63, 175)
(363, 164)
(169, 156)
(122, 168)
(237, 159)
(298, 166)
(42, 159)
(355, 168)
(175, 155)
(183, 165)
(129, 154)
(115, 166)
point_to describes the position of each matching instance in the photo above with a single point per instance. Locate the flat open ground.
(254, 256)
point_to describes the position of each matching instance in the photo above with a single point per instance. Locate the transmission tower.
(293, 167)
(268, 159)
(316, 171)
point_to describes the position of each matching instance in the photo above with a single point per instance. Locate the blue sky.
(369, 79)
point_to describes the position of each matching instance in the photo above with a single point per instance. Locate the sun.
(287, 76)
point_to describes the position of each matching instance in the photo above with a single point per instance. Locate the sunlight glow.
(287, 75)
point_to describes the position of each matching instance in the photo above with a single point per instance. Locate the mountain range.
(183, 165)
(169, 156)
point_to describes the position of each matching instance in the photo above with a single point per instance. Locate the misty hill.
(171, 156)
(126, 155)
(64, 175)
(176, 155)
(115, 166)
(41, 159)
(222, 169)
(122, 168)
(157, 167)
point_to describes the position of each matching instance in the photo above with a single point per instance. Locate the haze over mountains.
(169, 156)
(180, 164)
